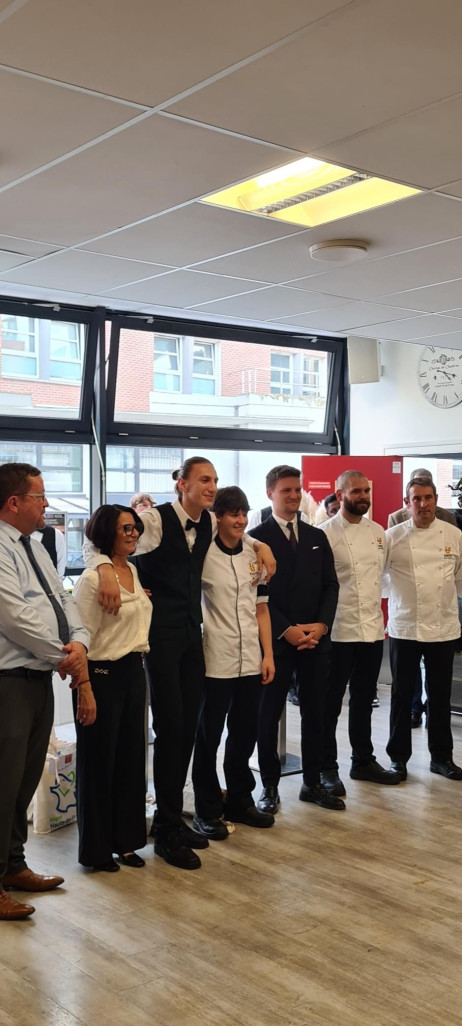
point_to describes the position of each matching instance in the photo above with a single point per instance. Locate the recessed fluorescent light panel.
(310, 192)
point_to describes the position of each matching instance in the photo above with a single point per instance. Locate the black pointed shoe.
(332, 783)
(447, 769)
(320, 796)
(269, 800)
(374, 772)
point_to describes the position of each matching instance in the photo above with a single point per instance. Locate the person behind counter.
(110, 755)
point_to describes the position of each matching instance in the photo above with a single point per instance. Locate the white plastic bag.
(54, 802)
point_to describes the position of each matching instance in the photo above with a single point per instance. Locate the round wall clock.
(440, 376)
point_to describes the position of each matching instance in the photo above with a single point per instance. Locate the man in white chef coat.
(423, 578)
(359, 549)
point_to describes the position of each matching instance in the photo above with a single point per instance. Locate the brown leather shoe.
(27, 880)
(11, 909)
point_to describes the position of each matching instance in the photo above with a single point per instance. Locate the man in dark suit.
(302, 603)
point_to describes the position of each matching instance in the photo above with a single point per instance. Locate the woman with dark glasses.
(111, 785)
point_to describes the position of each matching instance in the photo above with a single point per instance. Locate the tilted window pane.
(220, 384)
(41, 367)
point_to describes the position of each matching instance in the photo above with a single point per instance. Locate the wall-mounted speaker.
(363, 360)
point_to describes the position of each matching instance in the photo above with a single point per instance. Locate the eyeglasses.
(35, 495)
(130, 529)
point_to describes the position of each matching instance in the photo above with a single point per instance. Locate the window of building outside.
(41, 367)
(182, 380)
(66, 473)
(133, 469)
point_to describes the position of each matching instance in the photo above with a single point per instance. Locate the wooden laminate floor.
(328, 919)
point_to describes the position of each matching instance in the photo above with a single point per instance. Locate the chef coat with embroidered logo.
(423, 577)
(359, 554)
(230, 593)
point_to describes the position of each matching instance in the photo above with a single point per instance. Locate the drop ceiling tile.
(143, 51)
(86, 272)
(275, 301)
(319, 88)
(376, 278)
(184, 288)
(50, 296)
(421, 148)
(351, 315)
(453, 189)
(410, 224)
(8, 260)
(24, 247)
(41, 122)
(415, 328)
(151, 166)
(432, 299)
(192, 234)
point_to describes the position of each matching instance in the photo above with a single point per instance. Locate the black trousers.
(26, 719)
(111, 783)
(176, 675)
(311, 667)
(405, 658)
(237, 699)
(359, 663)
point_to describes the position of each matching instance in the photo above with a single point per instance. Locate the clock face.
(440, 376)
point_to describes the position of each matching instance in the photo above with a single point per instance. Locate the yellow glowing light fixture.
(310, 192)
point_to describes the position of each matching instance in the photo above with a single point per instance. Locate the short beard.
(351, 507)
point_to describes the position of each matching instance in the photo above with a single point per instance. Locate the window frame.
(57, 428)
(226, 438)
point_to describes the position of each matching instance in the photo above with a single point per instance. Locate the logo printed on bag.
(64, 791)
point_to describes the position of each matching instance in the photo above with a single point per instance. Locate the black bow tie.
(190, 524)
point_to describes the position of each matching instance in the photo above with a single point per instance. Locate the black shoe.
(330, 780)
(131, 859)
(374, 772)
(252, 817)
(213, 829)
(399, 767)
(320, 796)
(171, 848)
(269, 800)
(447, 769)
(107, 867)
(191, 839)
(416, 720)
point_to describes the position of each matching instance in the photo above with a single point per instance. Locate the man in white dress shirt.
(358, 545)
(423, 577)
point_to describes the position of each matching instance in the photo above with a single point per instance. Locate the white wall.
(392, 416)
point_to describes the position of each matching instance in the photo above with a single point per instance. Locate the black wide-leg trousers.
(111, 780)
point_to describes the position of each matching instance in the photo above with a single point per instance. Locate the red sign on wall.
(320, 475)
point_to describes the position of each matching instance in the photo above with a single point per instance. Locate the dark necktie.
(292, 539)
(190, 524)
(63, 626)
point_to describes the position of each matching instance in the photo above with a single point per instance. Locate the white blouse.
(112, 637)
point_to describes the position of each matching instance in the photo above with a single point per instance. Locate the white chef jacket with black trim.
(229, 599)
(422, 580)
(359, 554)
